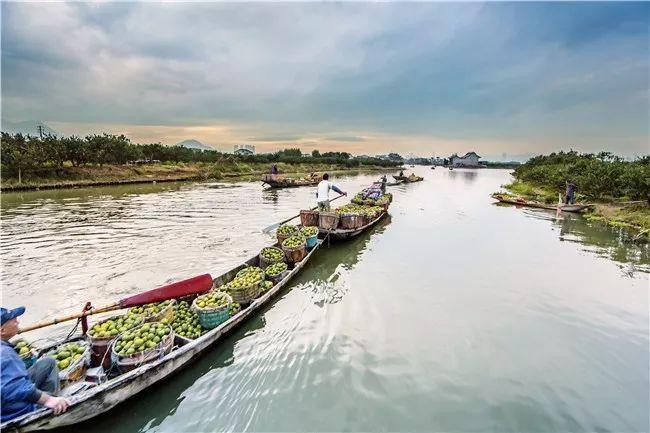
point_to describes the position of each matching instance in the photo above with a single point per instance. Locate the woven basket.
(328, 220)
(264, 263)
(77, 369)
(308, 218)
(166, 313)
(277, 278)
(128, 363)
(210, 318)
(294, 255)
(244, 295)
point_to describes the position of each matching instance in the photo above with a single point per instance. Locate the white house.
(244, 149)
(470, 159)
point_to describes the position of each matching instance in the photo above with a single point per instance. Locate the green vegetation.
(105, 158)
(619, 189)
(601, 177)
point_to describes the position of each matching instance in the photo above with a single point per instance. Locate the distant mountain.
(27, 127)
(194, 144)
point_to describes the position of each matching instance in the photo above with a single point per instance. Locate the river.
(455, 314)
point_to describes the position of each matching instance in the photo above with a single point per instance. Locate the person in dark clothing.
(23, 390)
(274, 169)
(570, 193)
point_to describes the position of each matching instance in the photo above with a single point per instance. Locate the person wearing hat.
(23, 390)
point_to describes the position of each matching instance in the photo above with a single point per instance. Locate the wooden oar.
(276, 225)
(191, 286)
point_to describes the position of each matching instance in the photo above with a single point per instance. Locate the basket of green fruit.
(246, 285)
(186, 324)
(72, 358)
(213, 308)
(156, 311)
(101, 334)
(311, 236)
(25, 352)
(266, 286)
(294, 248)
(142, 344)
(234, 309)
(277, 271)
(285, 231)
(309, 218)
(270, 255)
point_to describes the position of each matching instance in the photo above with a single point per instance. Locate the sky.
(367, 78)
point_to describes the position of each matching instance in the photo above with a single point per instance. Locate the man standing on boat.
(24, 390)
(323, 193)
(570, 193)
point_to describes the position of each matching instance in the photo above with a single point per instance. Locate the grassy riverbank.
(634, 215)
(70, 177)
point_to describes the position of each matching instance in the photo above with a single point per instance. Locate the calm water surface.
(454, 315)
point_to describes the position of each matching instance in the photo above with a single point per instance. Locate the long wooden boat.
(275, 181)
(408, 179)
(342, 234)
(539, 205)
(102, 398)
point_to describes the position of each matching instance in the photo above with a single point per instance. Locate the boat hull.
(562, 207)
(104, 397)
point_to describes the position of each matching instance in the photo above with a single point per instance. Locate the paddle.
(272, 227)
(191, 286)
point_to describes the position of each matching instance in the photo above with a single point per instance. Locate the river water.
(455, 314)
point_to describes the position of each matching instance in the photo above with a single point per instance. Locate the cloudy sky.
(426, 78)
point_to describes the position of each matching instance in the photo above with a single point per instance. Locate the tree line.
(23, 155)
(597, 176)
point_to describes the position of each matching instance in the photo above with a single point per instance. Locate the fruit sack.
(277, 271)
(25, 352)
(295, 248)
(270, 255)
(156, 311)
(142, 344)
(285, 231)
(186, 322)
(309, 218)
(213, 308)
(72, 358)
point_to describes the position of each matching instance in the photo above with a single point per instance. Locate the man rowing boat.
(24, 390)
(323, 193)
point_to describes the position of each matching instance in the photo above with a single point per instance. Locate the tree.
(315, 153)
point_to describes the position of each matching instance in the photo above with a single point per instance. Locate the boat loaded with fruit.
(142, 339)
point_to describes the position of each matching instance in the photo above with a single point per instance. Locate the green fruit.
(287, 229)
(272, 254)
(308, 232)
(293, 242)
(63, 364)
(24, 350)
(276, 269)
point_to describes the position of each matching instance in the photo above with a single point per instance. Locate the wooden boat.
(535, 204)
(407, 179)
(398, 182)
(342, 234)
(276, 181)
(102, 398)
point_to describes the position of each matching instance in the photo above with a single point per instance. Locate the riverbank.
(76, 177)
(633, 215)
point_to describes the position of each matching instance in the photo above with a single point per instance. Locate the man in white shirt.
(323, 193)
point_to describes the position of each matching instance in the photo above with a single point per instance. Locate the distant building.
(244, 149)
(469, 160)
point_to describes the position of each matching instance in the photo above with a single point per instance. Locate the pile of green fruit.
(247, 277)
(385, 199)
(186, 321)
(149, 310)
(213, 300)
(115, 325)
(309, 231)
(234, 309)
(67, 354)
(292, 242)
(22, 348)
(266, 286)
(287, 229)
(272, 254)
(357, 199)
(140, 339)
(276, 269)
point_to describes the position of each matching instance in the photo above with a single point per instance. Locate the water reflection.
(468, 175)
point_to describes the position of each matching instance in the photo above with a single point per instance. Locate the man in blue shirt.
(23, 390)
